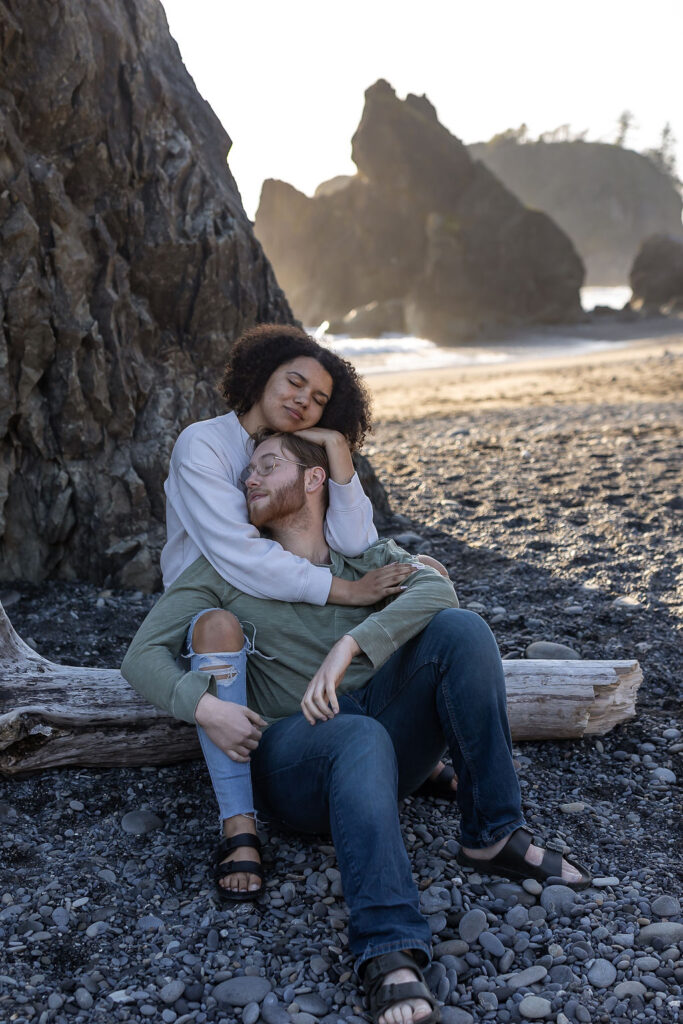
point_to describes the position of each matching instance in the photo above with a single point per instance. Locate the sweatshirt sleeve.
(427, 592)
(150, 664)
(349, 528)
(212, 509)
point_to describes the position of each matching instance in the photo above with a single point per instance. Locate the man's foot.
(241, 881)
(412, 1011)
(516, 850)
(442, 783)
(396, 990)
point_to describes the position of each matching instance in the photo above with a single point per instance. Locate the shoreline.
(612, 374)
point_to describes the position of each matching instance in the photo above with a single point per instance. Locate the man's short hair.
(308, 453)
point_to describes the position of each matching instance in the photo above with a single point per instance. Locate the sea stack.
(421, 225)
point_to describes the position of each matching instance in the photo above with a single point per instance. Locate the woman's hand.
(232, 727)
(373, 587)
(338, 452)
(320, 700)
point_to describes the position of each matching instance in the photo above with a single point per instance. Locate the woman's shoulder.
(223, 434)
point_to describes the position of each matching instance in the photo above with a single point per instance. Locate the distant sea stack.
(608, 199)
(128, 268)
(657, 274)
(422, 238)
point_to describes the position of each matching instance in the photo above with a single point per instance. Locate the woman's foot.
(412, 1011)
(241, 881)
(533, 856)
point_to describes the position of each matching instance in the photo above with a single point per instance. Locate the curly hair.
(259, 352)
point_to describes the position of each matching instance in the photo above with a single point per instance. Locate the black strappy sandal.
(225, 868)
(510, 863)
(381, 997)
(439, 788)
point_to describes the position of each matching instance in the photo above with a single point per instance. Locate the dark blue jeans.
(443, 690)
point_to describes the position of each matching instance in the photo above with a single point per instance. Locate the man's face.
(280, 494)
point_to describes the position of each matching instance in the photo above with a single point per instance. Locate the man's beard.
(279, 504)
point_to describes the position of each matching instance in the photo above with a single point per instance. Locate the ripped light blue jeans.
(231, 780)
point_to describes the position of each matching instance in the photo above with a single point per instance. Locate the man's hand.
(320, 700)
(233, 728)
(337, 449)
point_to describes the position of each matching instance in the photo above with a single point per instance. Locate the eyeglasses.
(265, 466)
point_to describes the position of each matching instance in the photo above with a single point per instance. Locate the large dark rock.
(608, 199)
(128, 267)
(657, 273)
(422, 223)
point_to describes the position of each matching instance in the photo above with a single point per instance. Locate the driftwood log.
(55, 715)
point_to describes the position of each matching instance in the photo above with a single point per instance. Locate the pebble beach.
(553, 493)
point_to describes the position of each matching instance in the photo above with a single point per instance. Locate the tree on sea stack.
(56, 715)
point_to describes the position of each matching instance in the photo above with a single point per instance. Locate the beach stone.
(602, 974)
(670, 932)
(273, 1013)
(150, 923)
(451, 947)
(517, 916)
(96, 928)
(434, 899)
(471, 925)
(491, 943)
(629, 988)
(251, 1013)
(535, 1008)
(546, 650)
(533, 886)
(172, 991)
(138, 823)
(572, 808)
(241, 991)
(83, 998)
(557, 899)
(665, 906)
(530, 976)
(311, 1002)
(603, 882)
(647, 963)
(455, 1015)
(60, 916)
(663, 775)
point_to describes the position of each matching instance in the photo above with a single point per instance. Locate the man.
(361, 704)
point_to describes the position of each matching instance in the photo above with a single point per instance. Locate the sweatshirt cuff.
(374, 641)
(317, 589)
(345, 497)
(187, 693)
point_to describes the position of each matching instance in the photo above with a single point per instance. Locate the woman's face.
(294, 397)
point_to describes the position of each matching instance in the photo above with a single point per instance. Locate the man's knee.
(456, 624)
(217, 630)
(364, 748)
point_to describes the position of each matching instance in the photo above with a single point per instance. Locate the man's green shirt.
(297, 637)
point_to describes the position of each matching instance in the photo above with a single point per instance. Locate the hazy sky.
(287, 77)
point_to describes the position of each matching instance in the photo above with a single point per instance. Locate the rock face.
(421, 223)
(128, 267)
(657, 273)
(608, 199)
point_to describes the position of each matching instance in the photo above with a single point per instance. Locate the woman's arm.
(213, 513)
(349, 527)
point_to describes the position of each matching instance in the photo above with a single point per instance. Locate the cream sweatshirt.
(206, 514)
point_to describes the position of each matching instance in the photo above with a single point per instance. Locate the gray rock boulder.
(128, 268)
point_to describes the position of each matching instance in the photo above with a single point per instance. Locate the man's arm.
(150, 664)
(425, 592)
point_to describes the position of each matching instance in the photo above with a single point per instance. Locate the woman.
(277, 379)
